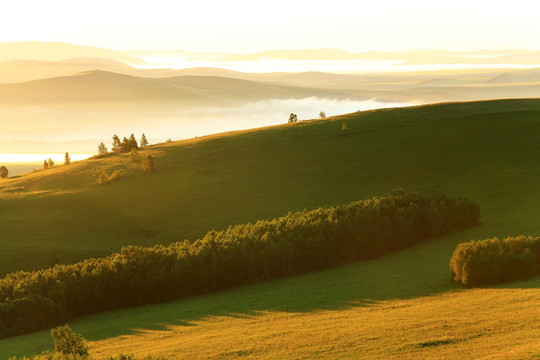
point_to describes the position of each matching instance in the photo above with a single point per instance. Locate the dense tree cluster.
(492, 261)
(293, 244)
(124, 146)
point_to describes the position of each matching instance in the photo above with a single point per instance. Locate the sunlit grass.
(400, 306)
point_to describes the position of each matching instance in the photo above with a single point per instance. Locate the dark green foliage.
(148, 163)
(293, 118)
(116, 175)
(66, 341)
(67, 159)
(293, 244)
(3, 172)
(126, 145)
(492, 261)
(322, 115)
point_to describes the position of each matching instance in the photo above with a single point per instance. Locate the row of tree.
(124, 146)
(50, 163)
(492, 261)
(293, 244)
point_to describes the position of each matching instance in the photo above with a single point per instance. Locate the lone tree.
(148, 163)
(45, 164)
(144, 142)
(3, 172)
(116, 144)
(102, 149)
(67, 159)
(51, 163)
(66, 341)
(322, 115)
(293, 118)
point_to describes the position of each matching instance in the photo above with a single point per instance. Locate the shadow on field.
(415, 272)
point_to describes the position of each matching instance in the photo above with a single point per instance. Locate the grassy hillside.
(486, 151)
(400, 306)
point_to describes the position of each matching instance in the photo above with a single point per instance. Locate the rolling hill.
(53, 51)
(400, 306)
(102, 87)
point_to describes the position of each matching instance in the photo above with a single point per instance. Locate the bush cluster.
(116, 175)
(491, 261)
(293, 244)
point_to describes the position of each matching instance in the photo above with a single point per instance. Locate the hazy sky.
(249, 25)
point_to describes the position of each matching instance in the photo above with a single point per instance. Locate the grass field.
(400, 306)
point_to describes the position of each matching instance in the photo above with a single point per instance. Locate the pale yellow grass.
(480, 324)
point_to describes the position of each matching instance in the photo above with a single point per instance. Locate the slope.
(400, 306)
(485, 151)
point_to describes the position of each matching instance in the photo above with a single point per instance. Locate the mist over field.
(52, 132)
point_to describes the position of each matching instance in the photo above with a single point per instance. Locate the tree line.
(492, 261)
(123, 146)
(292, 244)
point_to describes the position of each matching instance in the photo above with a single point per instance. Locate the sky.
(247, 26)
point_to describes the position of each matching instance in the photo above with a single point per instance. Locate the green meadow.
(400, 306)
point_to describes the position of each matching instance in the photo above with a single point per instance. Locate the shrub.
(134, 156)
(148, 163)
(3, 172)
(491, 261)
(116, 175)
(66, 341)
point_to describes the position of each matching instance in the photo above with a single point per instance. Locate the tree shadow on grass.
(403, 275)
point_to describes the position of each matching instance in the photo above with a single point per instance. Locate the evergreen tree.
(102, 149)
(45, 164)
(126, 145)
(144, 142)
(133, 142)
(116, 144)
(51, 163)
(3, 172)
(67, 159)
(293, 118)
(322, 115)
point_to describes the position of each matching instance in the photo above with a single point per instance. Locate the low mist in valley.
(52, 132)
